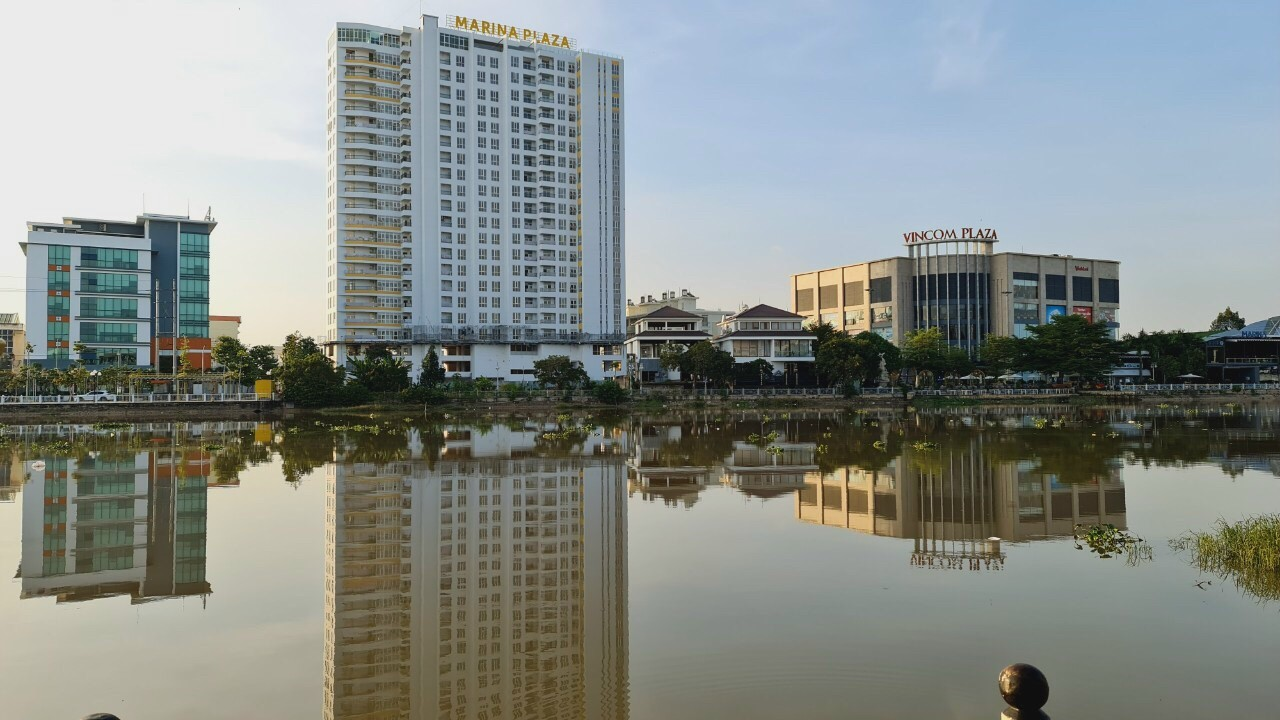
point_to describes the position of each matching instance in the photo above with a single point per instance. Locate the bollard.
(1026, 690)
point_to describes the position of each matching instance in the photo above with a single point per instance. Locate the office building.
(960, 286)
(475, 196)
(131, 293)
(131, 525)
(13, 340)
(475, 579)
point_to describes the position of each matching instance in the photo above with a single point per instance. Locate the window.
(109, 258)
(1081, 288)
(854, 317)
(194, 266)
(881, 290)
(59, 279)
(1055, 287)
(116, 283)
(853, 294)
(193, 289)
(59, 305)
(804, 300)
(827, 296)
(101, 307)
(1026, 286)
(108, 332)
(194, 243)
(59, 255)
(1108, 290)
(1024, 316)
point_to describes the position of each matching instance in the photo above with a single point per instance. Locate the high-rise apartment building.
(132, 293)
(475, 197)
(477, 580)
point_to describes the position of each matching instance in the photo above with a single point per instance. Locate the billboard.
(1053, 311)
(1108, 315)
(1085, 310)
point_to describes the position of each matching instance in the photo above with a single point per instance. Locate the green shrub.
(609, 393)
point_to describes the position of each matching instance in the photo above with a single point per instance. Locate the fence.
(145, 399)
(1201, 388)
(996, 392)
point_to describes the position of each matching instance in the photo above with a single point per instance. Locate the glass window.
(59, 255)
(101, 307)
(827, 296)
(1055, 287)
(194, 266)
(881, 290)
(1108, 290)
(854, 317)
(1082, 288)
(109, 258)
(59, 331)
(108, 332)
(194, 289)
(1024, 316)
(59, 305)
(194, 243)
(116, 283)
(109, 356)
(1026, 286)
(59, 280)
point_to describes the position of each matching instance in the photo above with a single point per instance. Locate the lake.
(719, 563)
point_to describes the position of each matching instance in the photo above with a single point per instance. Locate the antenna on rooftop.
(208, 214)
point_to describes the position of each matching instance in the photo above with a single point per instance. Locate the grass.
(1248, 551)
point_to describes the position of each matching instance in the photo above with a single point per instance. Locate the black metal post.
(1026, 690)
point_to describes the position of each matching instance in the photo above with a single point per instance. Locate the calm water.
(686, 567)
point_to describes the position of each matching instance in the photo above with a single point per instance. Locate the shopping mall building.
(954, 280)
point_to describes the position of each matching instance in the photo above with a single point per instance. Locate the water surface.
(730, 564)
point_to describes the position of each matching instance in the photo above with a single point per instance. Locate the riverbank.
(129, 412)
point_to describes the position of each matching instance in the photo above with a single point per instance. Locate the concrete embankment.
(107, 411)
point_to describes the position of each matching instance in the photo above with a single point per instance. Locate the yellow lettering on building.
(512, 32)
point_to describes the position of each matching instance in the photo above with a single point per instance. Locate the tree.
(309, 379)
(262, 363)
(1172, 353)
(839, 360)
(926, 351)
(231, 354)
(559, 372)
(1071, 345)
(878, 355)
(1000, 354)
(432, 373)
(380, 371)
(609, 393)
(707, 362)
(671, 355)
(1227, 320)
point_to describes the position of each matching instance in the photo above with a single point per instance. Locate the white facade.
(466, 582)
(46, 287)
(475, 199)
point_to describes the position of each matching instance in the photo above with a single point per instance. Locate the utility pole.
(155, 325)
(174, 349)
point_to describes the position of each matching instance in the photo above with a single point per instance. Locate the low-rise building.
(684, 300)
(1248, 355)
(13, 340)
(648, 335)
(224, 326)
(767, 333)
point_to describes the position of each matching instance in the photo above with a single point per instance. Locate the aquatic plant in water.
(1107, 541)
(1247, 551)
(924, 445)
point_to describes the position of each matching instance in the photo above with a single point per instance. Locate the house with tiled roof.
(768, 333)
(650, 333)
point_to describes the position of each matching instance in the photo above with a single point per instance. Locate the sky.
(763, 138)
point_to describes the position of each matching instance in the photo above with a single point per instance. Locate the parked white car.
(96, 395)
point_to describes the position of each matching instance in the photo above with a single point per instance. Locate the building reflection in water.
(484, 577)
(115, 522)
(948, 497)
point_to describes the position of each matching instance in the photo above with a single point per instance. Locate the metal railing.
(988, 392)
(128, 399)
(1199, 388)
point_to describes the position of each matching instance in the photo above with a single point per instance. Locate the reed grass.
(1248, 551)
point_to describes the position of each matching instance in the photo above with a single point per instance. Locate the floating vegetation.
(211, 447)
(820, 449)
(1040, 423)
(924, 445)
(755, 439)
(1247, 551)
(52, 447)
(879, 445)
(1113, 435)
(773, 450)
(112, 425)
(1107, 541)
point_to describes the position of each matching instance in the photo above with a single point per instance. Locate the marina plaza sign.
(509, 32)
(953, 235)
